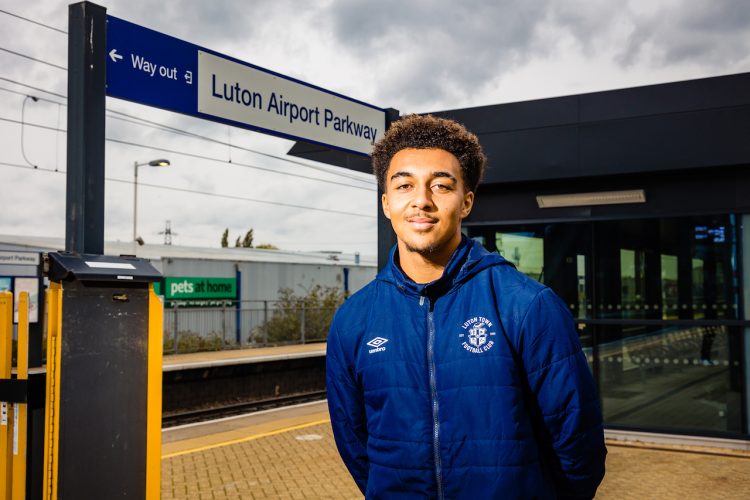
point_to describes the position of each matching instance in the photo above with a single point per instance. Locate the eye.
(441, 188)
(402, 187)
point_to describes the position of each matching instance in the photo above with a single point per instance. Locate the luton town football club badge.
(477, 335)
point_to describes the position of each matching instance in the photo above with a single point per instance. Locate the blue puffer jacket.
(472, 386)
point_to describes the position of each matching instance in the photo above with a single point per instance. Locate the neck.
(425, 268)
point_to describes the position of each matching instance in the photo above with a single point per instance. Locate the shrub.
(188, 341)
(317, 309)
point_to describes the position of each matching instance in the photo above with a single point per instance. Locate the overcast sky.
(414, 56)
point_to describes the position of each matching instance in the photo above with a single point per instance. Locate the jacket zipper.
(433, 396)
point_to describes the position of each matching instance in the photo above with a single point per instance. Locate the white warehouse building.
(227, 293)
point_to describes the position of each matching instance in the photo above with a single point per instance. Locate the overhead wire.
(249, 150)
(23, 128)
(5, 79)
(33, 21)
(140, 121)
(193, 155)
(19, 54)
(183, 131)
(208, 158)
(204, 193)
(187, 133)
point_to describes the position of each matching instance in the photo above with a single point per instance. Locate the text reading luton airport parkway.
(162, 71)
(293, 111)
(246, 94)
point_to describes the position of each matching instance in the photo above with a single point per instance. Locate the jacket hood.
(467, 260)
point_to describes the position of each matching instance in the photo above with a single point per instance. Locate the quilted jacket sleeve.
(563, 397)
(347, 409)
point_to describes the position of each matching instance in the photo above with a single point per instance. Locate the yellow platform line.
(245, 439)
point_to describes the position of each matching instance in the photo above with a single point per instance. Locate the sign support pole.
(84, 204)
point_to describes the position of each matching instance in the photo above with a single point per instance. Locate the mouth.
(421, 222)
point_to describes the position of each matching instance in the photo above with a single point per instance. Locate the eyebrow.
(403, 173)
(444, 174)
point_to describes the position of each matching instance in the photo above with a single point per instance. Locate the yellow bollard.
(52, 404)
(153, 426)
(6, 345)
(20, 409)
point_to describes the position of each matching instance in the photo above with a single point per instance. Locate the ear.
(468, 204)
(386, 206)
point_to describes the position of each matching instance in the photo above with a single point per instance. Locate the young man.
(453, 375)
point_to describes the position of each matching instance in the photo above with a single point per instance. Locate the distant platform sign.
(158, 70)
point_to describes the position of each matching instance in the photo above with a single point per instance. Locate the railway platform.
(209, 359)
(290, 453)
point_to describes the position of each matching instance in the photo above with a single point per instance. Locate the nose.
(422, 198)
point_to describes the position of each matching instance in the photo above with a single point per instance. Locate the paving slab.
(291, 454)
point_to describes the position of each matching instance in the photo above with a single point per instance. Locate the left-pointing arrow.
(114, 55)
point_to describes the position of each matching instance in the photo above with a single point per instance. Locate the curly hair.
(430, 132)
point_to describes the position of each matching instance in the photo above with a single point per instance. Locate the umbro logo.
(377, 343)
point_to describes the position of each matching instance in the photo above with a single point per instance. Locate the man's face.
(426, 198)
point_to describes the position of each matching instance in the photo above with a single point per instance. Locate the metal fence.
(262, 324)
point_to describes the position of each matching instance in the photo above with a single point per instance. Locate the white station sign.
(19, 258)
(248, 95)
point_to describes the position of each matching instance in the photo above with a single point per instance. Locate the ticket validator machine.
(104, 372)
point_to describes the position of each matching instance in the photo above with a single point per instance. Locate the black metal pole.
(386, 236)
(87, 59)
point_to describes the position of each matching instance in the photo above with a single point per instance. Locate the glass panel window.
(680, 378)
(675, 377)
(525, 250)
(676, 268)
(669, 297)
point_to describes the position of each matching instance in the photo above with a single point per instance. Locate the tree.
(267, 246)
(317, 308)
(247, 242)
(237, 243)
(225, 238)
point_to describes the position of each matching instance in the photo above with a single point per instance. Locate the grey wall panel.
(198, 267)
(707, 190)
(666, 142)
(679, 97)
(523, 155)
(541, 113)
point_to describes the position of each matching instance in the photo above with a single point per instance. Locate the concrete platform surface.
(242, 356)
(290, 453)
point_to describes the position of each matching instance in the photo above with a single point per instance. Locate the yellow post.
(52, 403)
(20, 409)
(153, 415)
(6, 346)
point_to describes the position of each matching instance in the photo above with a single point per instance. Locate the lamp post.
(152, 163)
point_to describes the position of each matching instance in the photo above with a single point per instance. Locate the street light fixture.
(152, 163)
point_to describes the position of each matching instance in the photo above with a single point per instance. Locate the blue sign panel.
(158, 70)
(151, 68)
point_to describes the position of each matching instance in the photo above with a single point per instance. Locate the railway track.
(174, 419)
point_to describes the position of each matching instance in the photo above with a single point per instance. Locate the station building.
(634, 206)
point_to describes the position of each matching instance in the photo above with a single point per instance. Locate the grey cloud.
(715, 34)
(586, 21)
(459, 45)
(214, 22)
